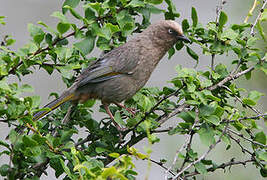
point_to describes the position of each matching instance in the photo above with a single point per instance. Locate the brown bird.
(120, 73)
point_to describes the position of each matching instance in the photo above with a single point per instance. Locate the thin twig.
(218, 12)
(211, 147)
(229, 78)
(154, 108)
(251, 10)
(247, 139)
(238, 99)
(222, 166)
(161, 165)
(252, 33)
(185, 145)
(12, 71)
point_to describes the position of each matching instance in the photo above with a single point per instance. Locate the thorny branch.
(187, 145)
(222, 166)
(211, 147)
(258, 17)
(218, 12)
(12, 71)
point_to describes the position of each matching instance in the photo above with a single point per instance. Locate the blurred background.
(21, 12)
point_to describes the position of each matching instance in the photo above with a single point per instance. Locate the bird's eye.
(171, 31)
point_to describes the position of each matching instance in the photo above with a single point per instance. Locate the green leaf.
(255, 95)
(248, 101)
(4, 85)
(206, 110)
(201, 168)
(56, 165)
(179, 45)
(71, 3)
(29, 141)
(264, 15)
(36, 33)
(194, 17)
(263, 156)
(156, 2)
(36, 100)
(222, 20)
(100, 150)
(4, 170)
(263, 172)
(73, 12)
(192, 53)
(2, 143)
(118, 119)
(188, 116)
(171, 52)
(206, 135)
(136, 3)
(60, 16)
(185, 25)
(260, 137)
(63, 27)
(26, 88)
(86, 45)
(114, 155)
(66, 71)
(213, 119)
(229, 34)
(89, 14)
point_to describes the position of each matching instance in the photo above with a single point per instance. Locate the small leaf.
(194, 17)
(171, 52)
(63, 27)
(179, 45)
(156, 2)
(206, 135)
(213, 119)
(86, 45)
(185, 25)
(263, 156)
(192, 53)
(36, 33)
(4, 170)
(114, 155)
(71, 3)
(222, 20)
(200, 167)
(260, 137)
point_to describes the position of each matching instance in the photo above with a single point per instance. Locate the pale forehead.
(174, 25)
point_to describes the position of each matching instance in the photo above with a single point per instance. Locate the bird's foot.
(130, 110)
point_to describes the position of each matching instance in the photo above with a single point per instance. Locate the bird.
(122, 72)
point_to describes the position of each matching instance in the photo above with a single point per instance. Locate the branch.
(211, 147)
(251, 10)
(161, 165)
(154, 108)
(222, 166)
(238, 99)
(12, 71)
(229, 78)
(258, 17)
(218, 12)
(187, 145)
(247, 139)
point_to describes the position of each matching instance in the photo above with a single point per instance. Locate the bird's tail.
(53, 105)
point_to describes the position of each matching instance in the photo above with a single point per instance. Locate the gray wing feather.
(120, 60)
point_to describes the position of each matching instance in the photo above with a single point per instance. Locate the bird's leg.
(112, 117)
(130, 110)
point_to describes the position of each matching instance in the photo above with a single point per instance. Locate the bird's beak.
(183, 38)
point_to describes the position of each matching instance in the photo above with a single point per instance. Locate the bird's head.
(166, 32)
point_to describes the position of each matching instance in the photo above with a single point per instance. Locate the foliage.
(202, 102)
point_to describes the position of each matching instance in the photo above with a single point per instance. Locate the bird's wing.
(115, 63)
